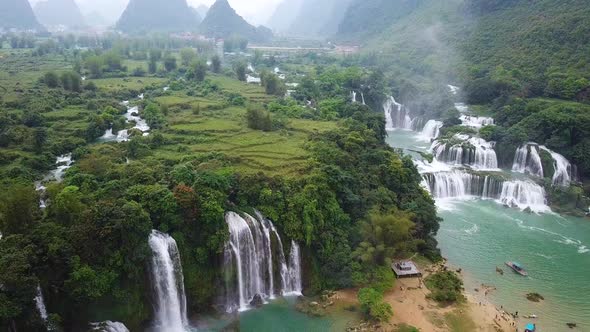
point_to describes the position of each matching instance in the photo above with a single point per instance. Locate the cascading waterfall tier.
(168, 284)
(248, 262)
(431, 130)
(563, 168)
(462, 185)
(475, 121)
(524, 195)
(109, 326)
(397, 116)
(131, 116)
(463, 150)
(528, 161)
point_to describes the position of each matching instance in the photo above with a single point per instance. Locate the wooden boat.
(516, 267)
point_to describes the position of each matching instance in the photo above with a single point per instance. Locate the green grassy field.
(196, 124)
(225, 131)
(20, 71)
(133, 83)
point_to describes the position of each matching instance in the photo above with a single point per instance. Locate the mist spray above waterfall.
(249, 254)
(168, 284)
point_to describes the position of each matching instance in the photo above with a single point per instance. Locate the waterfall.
(461, 107)
(471, 151)
(484, 155)
(455, 184)
(63, 162)
(249, 252)
(396, 115)
(109, 326)
(132, 116)
(475, 121)
(524, 194)
(454, 89)
(353, 96)
(168, 284)
(363, 98)
(527, 160)
(431, 130)
(108, 136)
(563, 168)
(244, 250)
(294, 281)
(463, 185)
(40, 304)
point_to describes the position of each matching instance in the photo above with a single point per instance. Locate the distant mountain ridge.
(202, 10)
(17, 14)
(59, 12)
(284, 15)
(157, 15)
(364, 17)
(222, 21)
(318, 17)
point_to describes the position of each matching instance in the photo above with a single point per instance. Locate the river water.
(480, 235)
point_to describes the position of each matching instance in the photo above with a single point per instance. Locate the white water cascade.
(109, 326)
(468, 151)
(40, 304)
(63, 163)
(168, 284)
(527, 160)
(563, 168)
(108, 136)
(454, 89)
(249, 255)
(524, 195)
(131, 116)
(353, 96)
(475, 121)
(294, 281)
(397, 115)
(431, 130)
(462, 185)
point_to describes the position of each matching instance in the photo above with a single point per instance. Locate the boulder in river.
(534, 297)
(257, 301)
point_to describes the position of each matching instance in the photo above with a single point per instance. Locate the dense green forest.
(324, 175)
(104, 138)
(533, 77)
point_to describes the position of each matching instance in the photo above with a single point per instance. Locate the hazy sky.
(255, 11)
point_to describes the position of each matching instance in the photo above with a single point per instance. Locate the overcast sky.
(255, 11)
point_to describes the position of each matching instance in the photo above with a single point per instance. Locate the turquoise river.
(479, 235)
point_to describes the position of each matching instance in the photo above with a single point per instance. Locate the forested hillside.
(543, 50)
(503, 53)
(369, 17)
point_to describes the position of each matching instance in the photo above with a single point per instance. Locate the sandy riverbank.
(411, 307)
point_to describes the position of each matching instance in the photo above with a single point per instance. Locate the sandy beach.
(410, 306)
